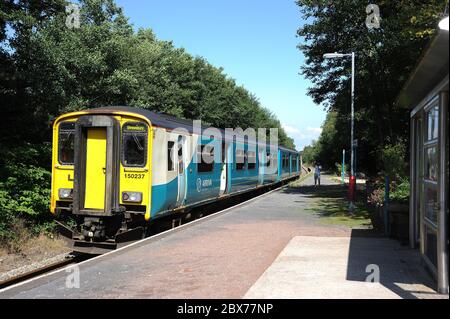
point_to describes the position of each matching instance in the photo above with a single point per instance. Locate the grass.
(330, 203)
(336, 212)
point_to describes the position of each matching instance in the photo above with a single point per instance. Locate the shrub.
(397, 192)
(400, 192)
(394, 160)
(24, 194)
(338, 169)
(376, 198)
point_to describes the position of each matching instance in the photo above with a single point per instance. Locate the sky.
(254, 41)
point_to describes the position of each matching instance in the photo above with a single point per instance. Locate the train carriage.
(116, 169)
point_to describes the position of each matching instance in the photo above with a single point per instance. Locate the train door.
(224, 172)
(95, 169)
(181, 170)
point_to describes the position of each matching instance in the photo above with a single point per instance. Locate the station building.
(426, 94)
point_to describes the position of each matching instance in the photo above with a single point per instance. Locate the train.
(115, 170)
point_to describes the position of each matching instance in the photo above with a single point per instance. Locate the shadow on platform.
(397, 267)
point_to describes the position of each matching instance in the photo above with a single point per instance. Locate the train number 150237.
(134, 176)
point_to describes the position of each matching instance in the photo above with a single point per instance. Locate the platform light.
(132, 197)
(65, 193)
(443, 25)
(334, 55)
(352, 181)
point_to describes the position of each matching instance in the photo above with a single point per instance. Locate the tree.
(385, 58)
(48, 69)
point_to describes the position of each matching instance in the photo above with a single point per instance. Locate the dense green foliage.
(385, 57)
(48, 69)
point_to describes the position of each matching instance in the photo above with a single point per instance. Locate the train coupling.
(91, 240)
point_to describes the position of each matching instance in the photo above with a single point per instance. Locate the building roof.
(431, 70)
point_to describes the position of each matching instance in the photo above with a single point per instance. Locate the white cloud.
(309, 132)
(291, 129)
(302, 137)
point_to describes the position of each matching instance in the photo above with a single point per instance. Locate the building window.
(170, 155)
(251, 157)
(431, 164)
(205, 158)
(431, 204)
(66, 150)
(431, 246)
(134, 144)
(433, 123)
(240, 159)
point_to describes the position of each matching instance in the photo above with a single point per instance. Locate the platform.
(236, 254)
(344, 268)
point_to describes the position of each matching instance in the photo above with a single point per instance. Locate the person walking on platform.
(317, 169)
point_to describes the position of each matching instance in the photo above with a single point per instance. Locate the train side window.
(134, 145)
(240, 159)
(66, 150)
(170, 155)
(205, 158)
(268, 160)
(251, 156)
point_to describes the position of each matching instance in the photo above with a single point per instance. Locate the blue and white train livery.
(116, 169)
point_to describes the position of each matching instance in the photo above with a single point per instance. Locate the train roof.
(159, 119)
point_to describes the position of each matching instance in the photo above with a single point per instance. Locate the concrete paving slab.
(336, 268)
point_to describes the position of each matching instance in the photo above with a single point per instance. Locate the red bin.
(352, 189)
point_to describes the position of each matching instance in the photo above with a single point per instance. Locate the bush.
(338, 169)
(394, 160)
(376, 198)
(24, 194)
(400, 192)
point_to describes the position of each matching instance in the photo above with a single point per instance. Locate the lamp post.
(352, 144)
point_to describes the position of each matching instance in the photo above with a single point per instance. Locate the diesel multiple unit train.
(117, 169)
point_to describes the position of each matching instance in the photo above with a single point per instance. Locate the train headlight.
(65, 193)
(132, 197)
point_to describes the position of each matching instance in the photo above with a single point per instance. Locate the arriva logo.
(206, 183)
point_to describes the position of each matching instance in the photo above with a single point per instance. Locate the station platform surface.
(270, 247)
(344, 268)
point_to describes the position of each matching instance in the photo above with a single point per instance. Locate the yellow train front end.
(101, 178)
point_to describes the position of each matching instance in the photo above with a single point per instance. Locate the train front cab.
(101, 177)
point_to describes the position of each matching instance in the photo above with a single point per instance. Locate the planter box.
(399, 221)
(376, 216)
